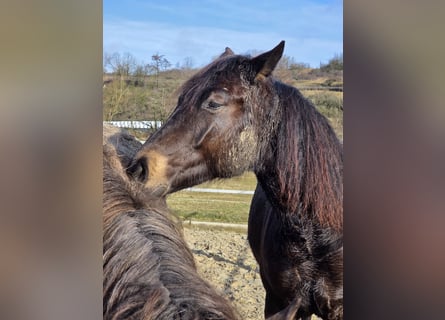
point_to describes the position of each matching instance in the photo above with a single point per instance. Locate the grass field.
(215, 207)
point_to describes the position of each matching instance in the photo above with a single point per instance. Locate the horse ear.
(227, 52)
(265, 63)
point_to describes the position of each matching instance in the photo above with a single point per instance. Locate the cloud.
(313, 32)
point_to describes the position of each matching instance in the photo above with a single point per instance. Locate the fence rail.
(338, 89)
(219, 191)
(133, 124)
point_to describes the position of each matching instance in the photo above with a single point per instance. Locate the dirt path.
(224, 258)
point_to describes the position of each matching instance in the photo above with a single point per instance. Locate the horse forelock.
(224, 72)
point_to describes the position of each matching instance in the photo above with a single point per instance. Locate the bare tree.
(159, 63)
(335, 63)
(120, 64)
(188, 63)
(115, 100)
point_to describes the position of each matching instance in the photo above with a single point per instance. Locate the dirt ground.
(224, 259)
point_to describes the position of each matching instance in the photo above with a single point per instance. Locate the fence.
(338, 89)
(133, 124)
(219, 191)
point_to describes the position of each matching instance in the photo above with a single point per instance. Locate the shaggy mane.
(149, 271)
(309, 160)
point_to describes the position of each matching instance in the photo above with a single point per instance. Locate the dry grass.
(247, 181)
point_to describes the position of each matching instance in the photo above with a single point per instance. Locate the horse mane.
(309, 160)
(149, 271)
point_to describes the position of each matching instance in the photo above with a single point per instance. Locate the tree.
(188, 63)
(283, 70)
(159, 63)
(335, 63)
(140, 71)
(116, 99)
(120, 64)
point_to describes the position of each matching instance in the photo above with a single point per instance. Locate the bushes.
(336, 63)
(330, 104)
(129, 101)
(328, 100)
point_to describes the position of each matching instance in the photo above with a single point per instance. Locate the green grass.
(215, 207)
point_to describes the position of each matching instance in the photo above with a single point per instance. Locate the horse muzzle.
(138, 170)
(150, 169)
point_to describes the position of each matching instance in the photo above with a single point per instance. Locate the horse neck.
(300, 166)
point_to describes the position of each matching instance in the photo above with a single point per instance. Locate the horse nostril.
(139, 170)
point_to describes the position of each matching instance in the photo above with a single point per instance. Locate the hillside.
(152, 97)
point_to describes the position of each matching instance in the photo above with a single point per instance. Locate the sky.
(198, 31)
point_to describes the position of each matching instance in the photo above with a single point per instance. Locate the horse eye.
(213, 105)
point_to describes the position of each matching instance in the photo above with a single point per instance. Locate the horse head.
(214, 130)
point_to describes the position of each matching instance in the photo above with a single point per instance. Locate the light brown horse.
(233, 116)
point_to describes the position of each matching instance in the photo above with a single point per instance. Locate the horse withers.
(233, 116)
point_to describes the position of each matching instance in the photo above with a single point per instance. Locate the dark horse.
(234, 116)
(148, 270)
